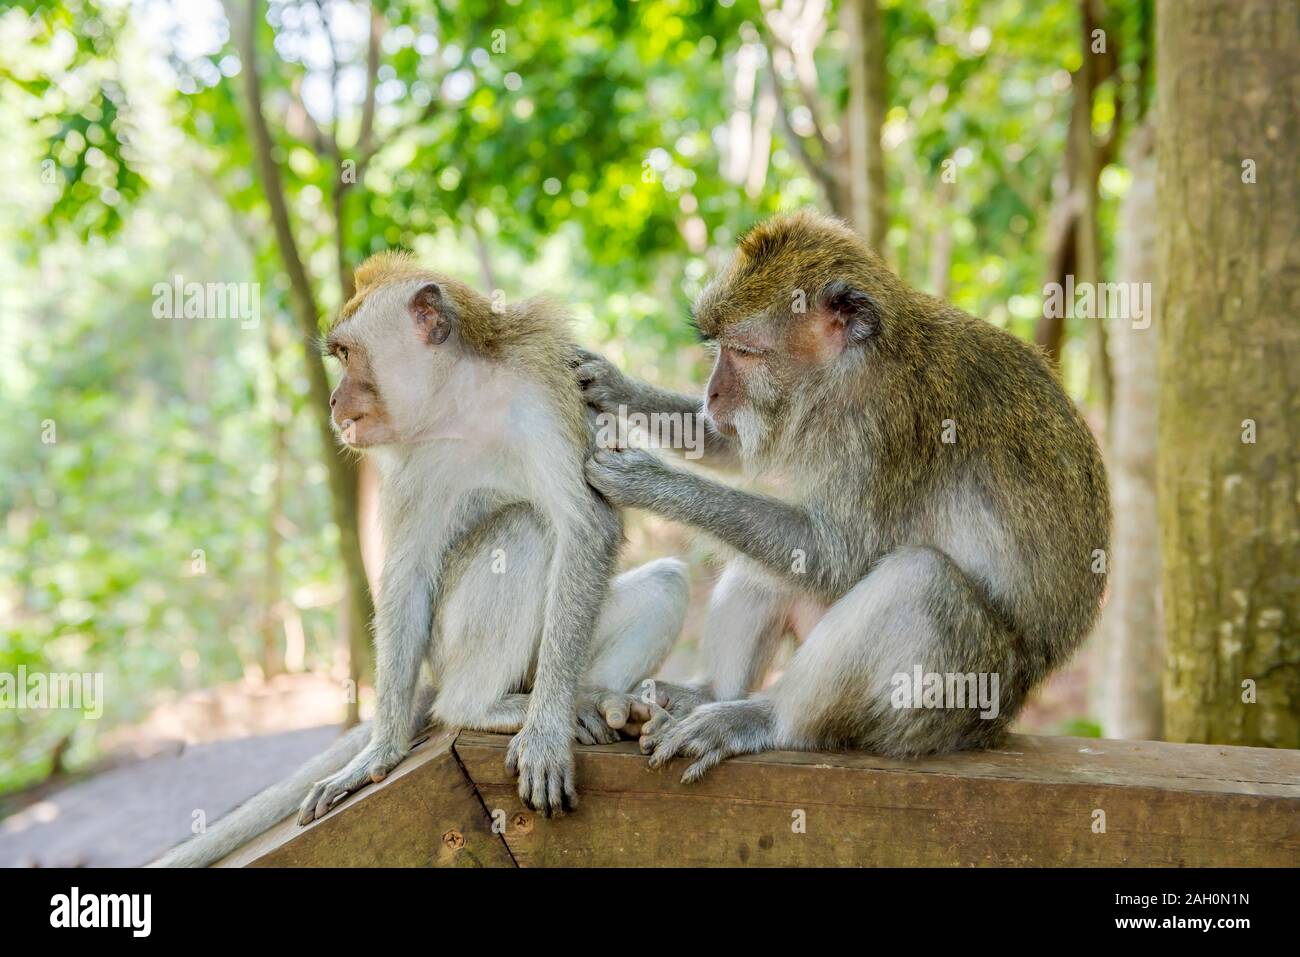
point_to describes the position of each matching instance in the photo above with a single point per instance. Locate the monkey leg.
(488, 626)
(491, 619)
(916, 609)
(748, 614)
(638, 624)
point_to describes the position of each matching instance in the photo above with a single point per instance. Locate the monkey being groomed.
(498, 557)
(944, 508)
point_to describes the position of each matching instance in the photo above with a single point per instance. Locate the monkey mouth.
(347, 426)
(721, 424)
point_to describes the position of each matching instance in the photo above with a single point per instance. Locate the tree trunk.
(272, 619)
(1229, 451)
(867, 189)
(940, 265)
(1087, 167)
(358, 606)
(1128, 682)
(1073, 245)
(365, 513)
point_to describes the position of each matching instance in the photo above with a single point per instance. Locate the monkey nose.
(334, 400)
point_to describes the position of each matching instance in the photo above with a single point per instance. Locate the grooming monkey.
(943, 506)
(498, 553)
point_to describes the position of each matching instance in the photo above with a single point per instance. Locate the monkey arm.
(793, 541)
(608, 390)
(587, 542)
(720, 451)
(403, 628)
(587, 537)
(403, 623)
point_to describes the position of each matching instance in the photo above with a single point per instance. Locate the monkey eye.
(744, 350)
(342, 353)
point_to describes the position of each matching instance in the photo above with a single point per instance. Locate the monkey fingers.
(712, 734)
(592, 726)
(620, 475)
(657, 722)
(369, 767)
(626, 711)
(545, 771)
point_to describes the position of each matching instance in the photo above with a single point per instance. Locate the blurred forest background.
(175, 514)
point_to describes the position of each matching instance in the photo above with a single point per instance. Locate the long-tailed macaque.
(498, 553)
(941, 532)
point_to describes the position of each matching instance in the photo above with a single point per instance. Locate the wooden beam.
(1037, 801)
(425, 814)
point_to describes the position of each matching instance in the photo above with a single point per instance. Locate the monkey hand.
(592, 727)
(626, 477)
(629, 712)
(543, 759)
(711, 733)
(370, 766)
(604, 387)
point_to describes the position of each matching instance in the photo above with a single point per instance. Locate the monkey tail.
(273, 805)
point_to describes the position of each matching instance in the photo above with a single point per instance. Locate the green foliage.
(70, 69)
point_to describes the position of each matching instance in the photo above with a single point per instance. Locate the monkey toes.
(658, 721)
(635, 716)
(369, 767)
(711, 734)
(593, 725)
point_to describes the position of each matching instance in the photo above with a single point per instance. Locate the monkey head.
(796, 312)
(397, 342)
(424, 355)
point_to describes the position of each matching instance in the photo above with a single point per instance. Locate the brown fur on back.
(1019, 439)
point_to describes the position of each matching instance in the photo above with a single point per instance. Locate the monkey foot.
(711, 734)
(369, 767)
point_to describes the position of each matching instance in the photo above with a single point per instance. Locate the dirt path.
(129, 815)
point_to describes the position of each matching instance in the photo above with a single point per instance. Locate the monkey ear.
(431, 313)
(854, 312)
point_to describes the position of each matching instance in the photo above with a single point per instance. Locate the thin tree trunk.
(272, 620)
(1087, 167)
(1128, 684)
(867, 188)
(940, 266)
(483, 253)
(1049, 330)
(1229, 450)
(366, 479)
(1073, 247)
(358, 606)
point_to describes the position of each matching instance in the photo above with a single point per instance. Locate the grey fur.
(497, 576)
